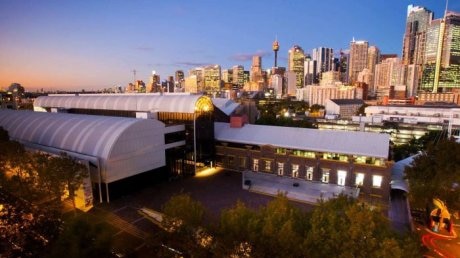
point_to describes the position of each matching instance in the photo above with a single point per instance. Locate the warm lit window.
(280, 151)
(309, 175)
(309, 154)
(255, 165)
(377, 181)
(341, 176)
(359, 179)
(325, 177)
(280, 168)
(268, 166)
(295, 170)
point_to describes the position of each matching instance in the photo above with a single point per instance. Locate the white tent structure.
(116, 147)
(122, 102)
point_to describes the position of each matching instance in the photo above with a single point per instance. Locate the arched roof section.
(103, 137)
(140, 102)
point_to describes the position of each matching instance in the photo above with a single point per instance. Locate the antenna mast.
(134, 75)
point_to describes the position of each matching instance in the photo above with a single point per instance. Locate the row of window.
(341, 174)
(333, 156)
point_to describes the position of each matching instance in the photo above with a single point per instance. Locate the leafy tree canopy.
(436, 174)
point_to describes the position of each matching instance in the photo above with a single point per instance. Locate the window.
(280, 168)
(325, 177)
(255, 165)
(377, 181)
(309, 154)
(295, 170)
(359, 179)
(242, 162)
(268, 166)
(280, 151)
(309, 175)
(341, 176)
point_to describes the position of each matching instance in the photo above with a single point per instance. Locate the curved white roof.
(126, 102)
(124, 146)
(344, 142)
(397, 173)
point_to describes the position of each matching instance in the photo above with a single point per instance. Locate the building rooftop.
(344, 142)
(348, 101)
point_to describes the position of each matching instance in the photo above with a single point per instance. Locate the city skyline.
(95, 45)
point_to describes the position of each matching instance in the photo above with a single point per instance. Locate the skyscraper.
(417, 22)
(414, 43)
(373, 58)
(324, 59)
(441, 71)
(256, 69)
(212, 78)
(358, 59)
(309, 71)
(296, 59)
(238, 75)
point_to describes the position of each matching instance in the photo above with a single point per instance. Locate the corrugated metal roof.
(141, 102)
(85, 134)
(225, 105)
(343, 142)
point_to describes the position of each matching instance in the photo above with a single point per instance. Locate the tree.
(184, 216)
(82, 238)
(183, 207)
(435, 174)
(68, 172)
(346, 228)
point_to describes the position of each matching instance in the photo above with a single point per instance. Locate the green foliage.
(435, 174)
(346, 228)
(82, 238)
(186, 209)
(416, 145)
(336, 228)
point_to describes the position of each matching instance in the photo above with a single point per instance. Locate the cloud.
(248, 56)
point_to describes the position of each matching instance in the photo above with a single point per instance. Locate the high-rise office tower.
(441, 71)
(212, 78)
(390, 72)
(256, 69)
(324, 59)
(276, 47)
(414, 43)
(343, 65)
(296, 59)
(199, 73)
(154, 83)
(310, 69)
(179, 78)
(358, 59)
(373, 58)
(417, 22)
(238, 75)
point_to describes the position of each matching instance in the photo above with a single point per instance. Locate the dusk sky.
(74, 45)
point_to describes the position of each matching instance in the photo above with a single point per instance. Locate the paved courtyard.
(216, 189)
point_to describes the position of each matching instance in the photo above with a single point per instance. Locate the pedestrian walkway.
(122, 224)
(294, 189)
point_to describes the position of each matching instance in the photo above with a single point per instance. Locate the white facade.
(414, 114)
(122, 147)
(320, 94)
